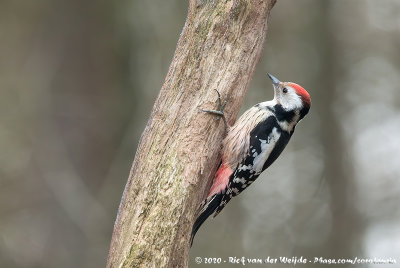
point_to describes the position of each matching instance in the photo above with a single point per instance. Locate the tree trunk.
(179, 150)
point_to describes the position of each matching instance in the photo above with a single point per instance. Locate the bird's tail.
(206, 208)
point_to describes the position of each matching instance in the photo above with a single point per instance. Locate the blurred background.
(77, 83)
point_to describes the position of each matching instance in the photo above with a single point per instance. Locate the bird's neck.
(287, 119)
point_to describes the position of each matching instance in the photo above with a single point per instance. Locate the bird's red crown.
(303, 93)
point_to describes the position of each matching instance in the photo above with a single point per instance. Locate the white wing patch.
(244, 167)
(241, 180)
(266, 148)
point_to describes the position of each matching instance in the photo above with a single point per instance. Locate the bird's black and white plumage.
(253, 143)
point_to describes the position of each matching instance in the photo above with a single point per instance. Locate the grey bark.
(178, 153)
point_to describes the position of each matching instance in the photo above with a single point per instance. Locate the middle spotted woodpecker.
(252, 144)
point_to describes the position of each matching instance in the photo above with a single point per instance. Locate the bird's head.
(291, 96)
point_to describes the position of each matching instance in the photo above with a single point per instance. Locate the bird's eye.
(285, 90)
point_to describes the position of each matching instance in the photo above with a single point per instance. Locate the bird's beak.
(275, 80)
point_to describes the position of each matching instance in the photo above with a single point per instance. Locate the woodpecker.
(252, 144)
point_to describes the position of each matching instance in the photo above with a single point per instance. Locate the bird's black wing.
(267, 141)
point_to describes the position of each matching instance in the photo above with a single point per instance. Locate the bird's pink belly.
(221, 180)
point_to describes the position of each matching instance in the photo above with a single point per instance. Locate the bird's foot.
(220, 111)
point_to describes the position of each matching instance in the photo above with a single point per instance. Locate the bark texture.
(179, 150)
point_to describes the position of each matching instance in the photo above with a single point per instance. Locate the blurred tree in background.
(78, 80)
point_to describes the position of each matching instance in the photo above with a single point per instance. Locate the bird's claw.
(221, 107)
